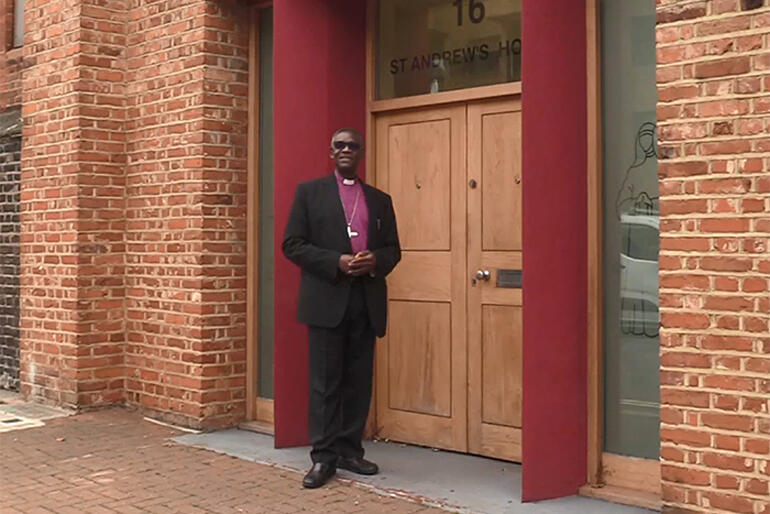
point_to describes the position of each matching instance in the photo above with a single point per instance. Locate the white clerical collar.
(346, 181)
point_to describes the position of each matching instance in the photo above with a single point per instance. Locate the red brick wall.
(186, 192)
(133, 224)
(714, 126)
(72, 224)
(223, 207)
(49, 319)
(101, 203)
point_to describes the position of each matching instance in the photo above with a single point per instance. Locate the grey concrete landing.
(16, 414)
(462, 483)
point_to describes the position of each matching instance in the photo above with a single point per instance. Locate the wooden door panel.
(501, 181)
(494, 312)
(500, 365)
(420, 352)
(419, 183)
(500, 442)
(498, 296)
(421, 394)
(420, 429)
(423, 276)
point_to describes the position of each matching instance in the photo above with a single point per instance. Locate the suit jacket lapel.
(340, 226)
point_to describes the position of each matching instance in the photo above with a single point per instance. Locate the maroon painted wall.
(319, 80)
(319, 86)
(554, 239)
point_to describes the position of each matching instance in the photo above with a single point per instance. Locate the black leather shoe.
(358, 465)
(318, 475)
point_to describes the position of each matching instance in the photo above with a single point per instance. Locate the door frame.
(259, 411)
(595, 262)
(374, 107)
(613, 477)
(485, 435)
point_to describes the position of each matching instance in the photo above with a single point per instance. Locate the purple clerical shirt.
(358, 220)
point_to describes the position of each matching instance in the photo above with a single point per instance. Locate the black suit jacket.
(315, 238)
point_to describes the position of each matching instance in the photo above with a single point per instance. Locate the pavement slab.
(453, 481)
(16, 414)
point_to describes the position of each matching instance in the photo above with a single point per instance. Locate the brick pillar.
(713, 83)
(223, 208)
(134, 206)
(186, 234)
(72, 223)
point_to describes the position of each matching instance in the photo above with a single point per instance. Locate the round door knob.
(483, 274)
(472, 183)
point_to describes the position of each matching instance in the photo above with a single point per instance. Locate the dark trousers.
(341, 361)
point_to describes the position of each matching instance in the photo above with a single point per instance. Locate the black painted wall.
(10, 173)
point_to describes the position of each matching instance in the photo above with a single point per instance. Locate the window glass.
(641, 242)
(631, 229)
(266, 319)
(427, 46)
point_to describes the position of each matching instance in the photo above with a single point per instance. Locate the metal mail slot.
(509, 278)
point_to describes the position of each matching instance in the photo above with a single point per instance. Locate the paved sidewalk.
(114, 461)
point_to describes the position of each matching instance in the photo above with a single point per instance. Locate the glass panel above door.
(428, 46)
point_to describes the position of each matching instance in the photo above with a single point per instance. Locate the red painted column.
(319, 81)
(554, 239)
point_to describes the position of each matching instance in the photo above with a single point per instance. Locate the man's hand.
(363, 263)
(344, 264)
(357, 265)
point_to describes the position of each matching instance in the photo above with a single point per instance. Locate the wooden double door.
(448, 374)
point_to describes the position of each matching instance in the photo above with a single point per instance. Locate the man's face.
(347, 149)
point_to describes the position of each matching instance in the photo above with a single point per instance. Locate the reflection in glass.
(631, 229)
(428, 46)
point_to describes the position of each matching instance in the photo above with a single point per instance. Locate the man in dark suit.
(342, 233)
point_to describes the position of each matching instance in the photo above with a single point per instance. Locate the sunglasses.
(341, 145)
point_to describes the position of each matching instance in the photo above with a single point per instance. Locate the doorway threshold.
(455, 482)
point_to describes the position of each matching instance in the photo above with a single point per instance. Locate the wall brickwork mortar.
(714, 134)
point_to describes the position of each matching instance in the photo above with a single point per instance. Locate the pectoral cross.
(351, 232)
